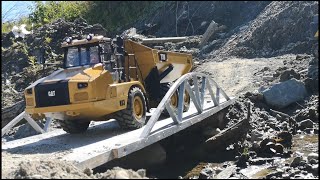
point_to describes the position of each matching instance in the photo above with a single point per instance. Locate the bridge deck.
(103, 141)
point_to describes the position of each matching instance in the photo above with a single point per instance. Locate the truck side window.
(72, 57)
(94, 55)
(84, 57)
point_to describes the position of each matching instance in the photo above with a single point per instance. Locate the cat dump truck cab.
(105, 78)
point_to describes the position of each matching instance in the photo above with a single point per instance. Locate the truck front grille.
(52, 94)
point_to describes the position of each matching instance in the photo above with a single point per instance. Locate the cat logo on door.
(51, 93)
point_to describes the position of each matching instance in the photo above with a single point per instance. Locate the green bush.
(118, 14)
(52, 10)
(32, 60)
(7, 26)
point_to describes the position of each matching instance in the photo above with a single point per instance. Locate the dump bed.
(147, 58)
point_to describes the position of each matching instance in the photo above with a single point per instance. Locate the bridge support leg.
(48, 122)
(33, 123)
(27, 117)
(17, 119)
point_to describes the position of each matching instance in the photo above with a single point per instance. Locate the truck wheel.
(74, 126)
(186, 101)
(164, 88)
(134, 116)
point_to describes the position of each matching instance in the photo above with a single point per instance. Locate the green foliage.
(245, 151)
(52, 10)
(7, 26)
(32, 60)
(112, 15)
(48, 40)
(118, 14)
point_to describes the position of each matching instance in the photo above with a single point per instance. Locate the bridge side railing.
(187, 83)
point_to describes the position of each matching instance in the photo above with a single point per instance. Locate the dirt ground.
(236, 76)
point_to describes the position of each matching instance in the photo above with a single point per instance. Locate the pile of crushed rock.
(45, 169)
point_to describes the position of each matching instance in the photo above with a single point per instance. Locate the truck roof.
(94, 39)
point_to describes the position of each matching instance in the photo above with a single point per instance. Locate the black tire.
(164, 88)
(128, 118)
(186, 102)
(74, 126)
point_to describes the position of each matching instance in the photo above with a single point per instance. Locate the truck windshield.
(79, 56)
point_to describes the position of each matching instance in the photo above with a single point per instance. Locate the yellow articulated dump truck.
(105, 78)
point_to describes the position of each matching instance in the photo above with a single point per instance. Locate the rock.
(279, 148)
(260, 161)
(88, 171)
(256, 135)
(305, 124)
(288, 74)
(36, 176)
(205, 173)
(276, 174)
(308, 113)
(283, 94)
(313, 156)
(9, 113)
(312, 85)
(313, 161)
(142, 172)
(121, 174)
(242, 161)
(252, 154)
(285, 176)
(315, 169)
(226, 173)
(209, 131)
(255, 146)
(296, 161)
(25, 130)
(309, 130)
(267, 78)
(284, 138)
(266, 141)
(313, 71)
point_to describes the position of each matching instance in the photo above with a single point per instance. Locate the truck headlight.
(68, 40)
(89, 37)
(82, 85)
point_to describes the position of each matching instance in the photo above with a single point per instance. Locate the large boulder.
(305, 124)
(283, 94)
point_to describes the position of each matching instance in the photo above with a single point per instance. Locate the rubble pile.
(62, 170)
(276, 133)
(281, 28)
